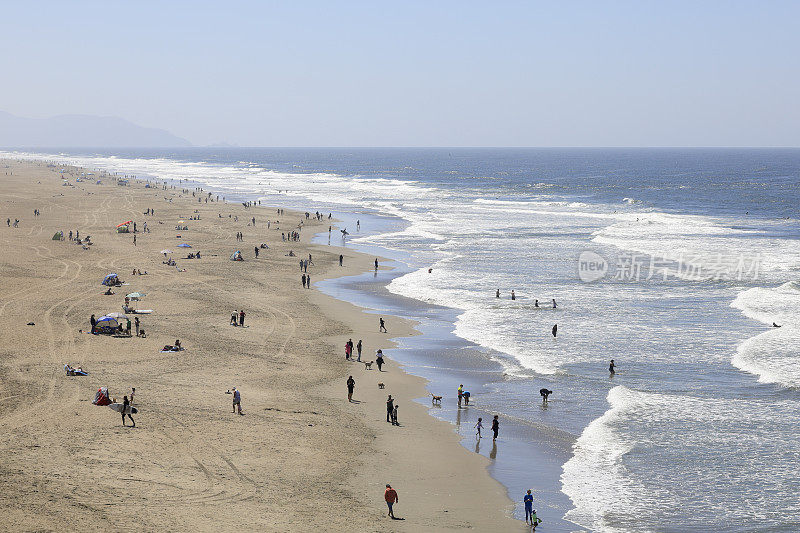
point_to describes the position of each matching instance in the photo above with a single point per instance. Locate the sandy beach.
(301, 458)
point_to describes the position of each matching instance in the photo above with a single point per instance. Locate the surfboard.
(118, 408)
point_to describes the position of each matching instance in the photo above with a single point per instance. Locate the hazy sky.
(429, 73)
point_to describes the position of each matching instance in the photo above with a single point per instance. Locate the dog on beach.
(436, 399)
(381, 386)
(368, 365)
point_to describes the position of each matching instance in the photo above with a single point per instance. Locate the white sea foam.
(650, 452)
(774, 356)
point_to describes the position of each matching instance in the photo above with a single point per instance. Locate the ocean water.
(674, 263)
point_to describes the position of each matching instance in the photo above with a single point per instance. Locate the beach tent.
(106, 324)
(165, 252)
(111, 279)
(237, 256)
(57, 236)
(123, 228)
(101, 397)
(184, 245)
(136, 295)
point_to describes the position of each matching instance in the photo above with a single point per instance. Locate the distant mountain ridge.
(82, 131)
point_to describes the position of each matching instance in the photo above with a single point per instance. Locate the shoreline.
(468, 503)
(527, 455)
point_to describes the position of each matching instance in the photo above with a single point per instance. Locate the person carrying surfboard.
(126, 409)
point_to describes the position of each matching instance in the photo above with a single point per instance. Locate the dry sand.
(301, 459)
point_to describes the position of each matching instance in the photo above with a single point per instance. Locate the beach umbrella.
(118, 316)
(181, 221)
(125, 223)
(166, 251)
(184, 245)
(136, 295)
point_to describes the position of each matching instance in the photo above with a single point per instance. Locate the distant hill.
(76, 131)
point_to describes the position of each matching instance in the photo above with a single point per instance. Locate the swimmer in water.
(555, 330)
(497, 294)
(513, 296)
(612, 368)
(536, 303)
(554, 303)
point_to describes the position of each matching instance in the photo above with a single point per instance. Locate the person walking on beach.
(233, 317)
(460, 394)
(376, 264)
(237, 400)
(391, 498)
(394, 416)
(358, 348)
(495, 427)
(241, 318)
(308, 281)
(303, 279)
(528, 501)
(125, 407)
(479, 427)
(389, 408)
(347, 350)
(134, 240)
(382, 328)
(341, 258)
(379, 360)
(93, 322)
(136, 323)
(351, 385)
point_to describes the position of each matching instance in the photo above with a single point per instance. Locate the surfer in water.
(497, 294)
(555, 329)
(554, 303)
(513, 296)
(125, 407)
(536, 303)
(774, 325)
(612, 368)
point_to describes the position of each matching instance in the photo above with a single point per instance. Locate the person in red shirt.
(391, 498)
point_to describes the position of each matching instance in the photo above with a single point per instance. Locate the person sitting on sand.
(109, 292)
(178, 346)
